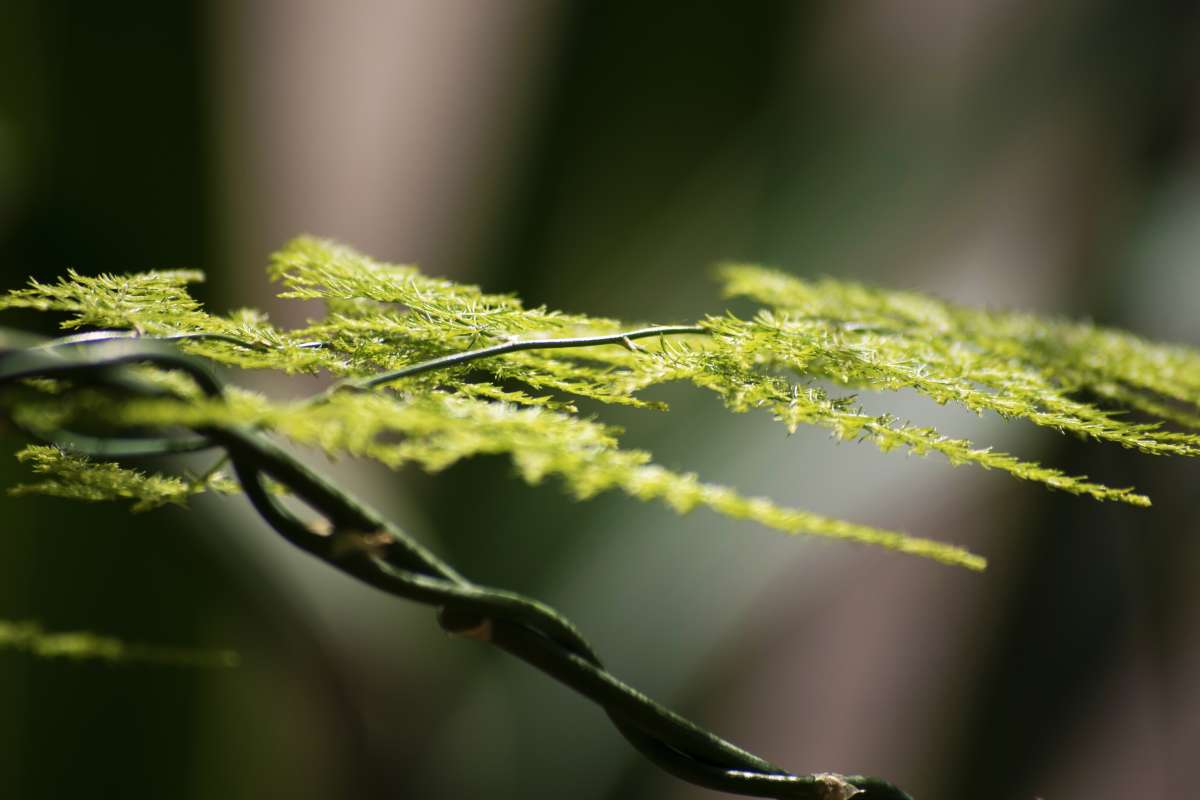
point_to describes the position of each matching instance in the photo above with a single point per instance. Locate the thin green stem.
(201, 481)
(624, 339)
(96, 337)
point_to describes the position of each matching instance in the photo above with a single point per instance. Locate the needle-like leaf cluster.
(74, 477)
(386, 320)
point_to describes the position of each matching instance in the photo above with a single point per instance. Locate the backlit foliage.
(30, 637)
(376, 318)
(76, 478)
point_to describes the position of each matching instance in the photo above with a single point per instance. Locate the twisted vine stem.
(354, 538)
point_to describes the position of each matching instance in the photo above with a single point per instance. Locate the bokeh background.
(600, 157)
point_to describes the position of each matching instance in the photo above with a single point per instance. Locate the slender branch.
(625, 339)
(97, 337)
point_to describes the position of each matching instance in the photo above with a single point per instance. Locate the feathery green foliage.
(382, 323)
(81, 645)
(77, 478)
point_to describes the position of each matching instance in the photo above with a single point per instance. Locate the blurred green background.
(600, 157)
